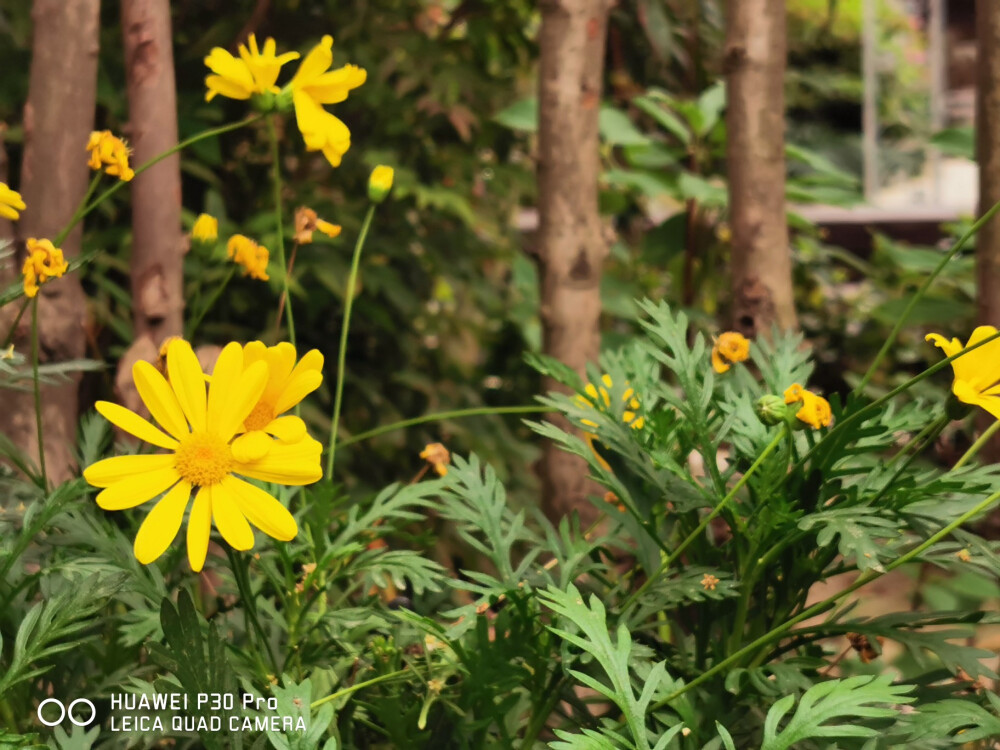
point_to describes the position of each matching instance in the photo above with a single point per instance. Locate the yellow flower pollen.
(203, 459)
(261, 416)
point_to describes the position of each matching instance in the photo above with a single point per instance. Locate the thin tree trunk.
(157, 244)
(988, 156)
(755, 154)
(571, 246)
(58, 118)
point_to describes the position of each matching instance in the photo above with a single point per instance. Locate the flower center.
(261, 416)
(203, 459)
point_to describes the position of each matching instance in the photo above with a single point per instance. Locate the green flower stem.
(240, 566)
(38, 392)
(441, 416)
(901, 321)
(928, 435)
(77, 214)
(17, 319)
(700, 529)
(976, 446)
(193, 326)
(338, 396)
(875, 405)
(828, 603)
(358, 686)
(211, 132)
(276, 164)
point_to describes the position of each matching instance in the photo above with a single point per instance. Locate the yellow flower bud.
(205, 229)
(380, 183)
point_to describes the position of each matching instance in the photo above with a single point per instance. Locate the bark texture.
(571, 246)
(58, 118)
(988, 156)
(755, 156)
(157, 237)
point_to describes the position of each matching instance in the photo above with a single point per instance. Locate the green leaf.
(616, 128)
(949, 716)
(711, 103)
(522, 115)
(959, 142)
(657, 107)
(832, 709)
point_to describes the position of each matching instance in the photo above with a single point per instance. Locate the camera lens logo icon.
(64, 710)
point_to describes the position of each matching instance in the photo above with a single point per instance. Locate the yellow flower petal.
(199, 528)
(254, 352)
(280, 363)
(160, 399)
(226, 373)
(315, 63)
(229, 520)
(980, 368)
(188, 382)
(262, 509)
(718, 364)
(137, 489)
(160, 527)
(291, 464)
(252, 446)
(113, 470)
(133, 424)
(297, 389)
(241, 398)
(288, 429)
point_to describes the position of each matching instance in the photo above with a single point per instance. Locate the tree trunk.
(755, 154)
(988, 156)
(571, 246)
(157, 263)
(58, 119)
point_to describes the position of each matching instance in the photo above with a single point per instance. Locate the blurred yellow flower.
(254, 72)
(205, 229)
(307, 222)
(7, 353)
(44, 262)
(10, 203)
(199, 458)
(595, 395)
(729, 347)
(709, 582)
(380, 183)
(437, 456)
(287, 384)
(247, 253)
(814, 410)
(977, 374)
(109, 151)
(315, 85)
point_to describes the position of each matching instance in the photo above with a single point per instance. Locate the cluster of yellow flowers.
(213, 436)
(108, 151)
(255, 72)
(44, 262)
(814, 410)
(247, 253)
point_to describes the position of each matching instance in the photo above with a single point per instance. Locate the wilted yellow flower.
(437, 456)
(205, 229)
(44, 262)
(10, 203)
(199, 457)
(250, 255)
(380, 183)
(307, 222)
(729, 347)
(287, 384)
(814, 410)
(315, 85)
(977, 374)
(109, 151)
(254, 72)
(709, 582)
(964, 555)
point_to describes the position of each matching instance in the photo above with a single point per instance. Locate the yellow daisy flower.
(315, 85)
(977, 374)
(254, 72)
(728, 348)
(44, 262)
(247, 253)
(205, 229)
(109, 151)
(10, 203)
(199, 458)
(287, 384)
(814, 410)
